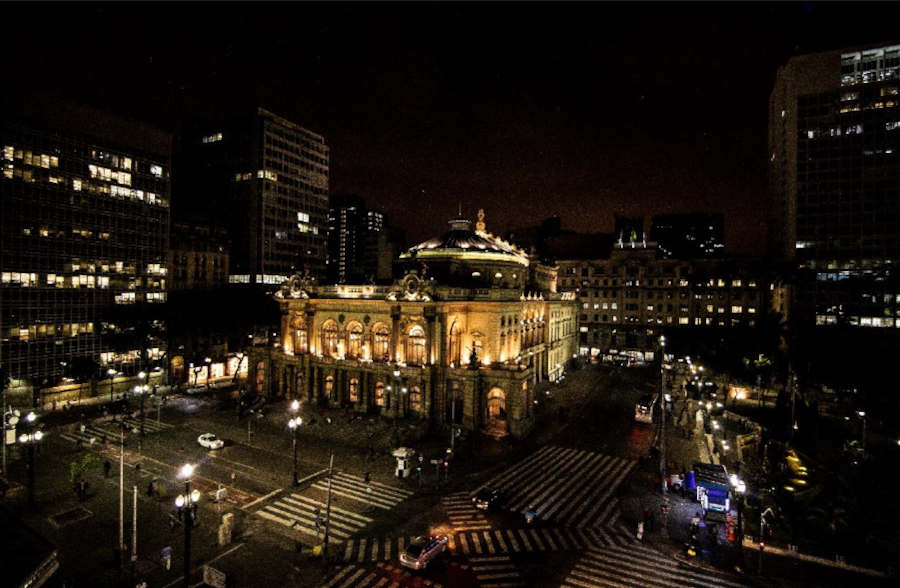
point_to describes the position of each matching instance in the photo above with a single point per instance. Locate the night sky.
(526, 110)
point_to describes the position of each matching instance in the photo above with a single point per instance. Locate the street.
(583, 474)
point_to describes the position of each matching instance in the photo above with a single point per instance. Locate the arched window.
(381, 343)
(415, 346)
(298, 330)
(455, 344)
(354, 340)
(415, 399)
(354, 390)
(496, 404)
(329, 386)
(478, 345)
(379, 394)
(330, 339)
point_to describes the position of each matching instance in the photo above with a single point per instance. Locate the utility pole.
(453, 421)
(662, 397)
(134, 531)
(328, 510)
(762, 534)
(122, 496)
(3, 394)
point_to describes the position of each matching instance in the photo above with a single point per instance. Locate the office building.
(265, 179)
(198, 256)
(466, 334)
(353, 240)
(689, 236)
(834, 154)
(84, 203)
(632, 296)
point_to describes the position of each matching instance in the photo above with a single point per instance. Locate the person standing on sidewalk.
(106, 468)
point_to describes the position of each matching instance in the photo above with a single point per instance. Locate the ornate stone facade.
(422, 348)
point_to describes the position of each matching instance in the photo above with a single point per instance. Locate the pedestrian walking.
(83, 428)
(137, 468)
(106, 468)
(233, 476)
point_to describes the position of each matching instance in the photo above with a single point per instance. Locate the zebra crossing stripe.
(346, 491)
(596, 472)
(537, 540)
(593, 501)
(400, 493)
(668, 572)
(334, 509)
(339, 576)
(525, 540)
(523, 468)
(348, 550)
(488, 542)
(476, 542)
(362, 550)
(353, 578)
(498, 535)
(555, 490)
(561, 462)
(381, 582)
(549, 540)
(596, 495)
(463, 543)
(563, 542)
(289, 520)
(606, 512)
(512, 540)
(308, 514)
(610, 488)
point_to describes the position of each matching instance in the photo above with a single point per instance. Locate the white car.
(210, 441)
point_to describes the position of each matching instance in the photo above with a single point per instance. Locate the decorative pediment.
(297, 286)
(412, 288)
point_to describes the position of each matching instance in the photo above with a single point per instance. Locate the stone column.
(395, 331)
(311, 329)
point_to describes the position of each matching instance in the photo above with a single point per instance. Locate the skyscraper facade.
(84, 202)
(834, 151)
(354, 232)
(265, 178)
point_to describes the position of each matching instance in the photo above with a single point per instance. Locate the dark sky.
(524, 109)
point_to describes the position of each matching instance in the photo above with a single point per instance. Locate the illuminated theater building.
(465, 335)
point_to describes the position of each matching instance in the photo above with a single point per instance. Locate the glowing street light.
(186, 507)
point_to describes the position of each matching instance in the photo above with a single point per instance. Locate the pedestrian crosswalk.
(111, 431)
(569, 486)
(384, 575)
(301, 513)
(639, 566)
(540, 539)
(495, 571)
(355, 488)
(462, 513)
(362, 549)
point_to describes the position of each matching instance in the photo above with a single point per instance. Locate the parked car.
(421, 551)
(210, 441)
(488, 498)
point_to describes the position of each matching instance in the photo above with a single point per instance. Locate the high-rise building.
(356, 236)
(265, 178)
(84, 203)
(689, 236)
(834, 151)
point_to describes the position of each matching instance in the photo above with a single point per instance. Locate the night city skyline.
(449, 294)
(602, 109)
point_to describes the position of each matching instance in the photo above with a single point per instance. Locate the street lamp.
(740, 488)
(294, 424)
(29, 440)
(111, 373)
(186, 507)
(208, 362)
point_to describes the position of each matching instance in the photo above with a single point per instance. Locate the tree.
(77, 470)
